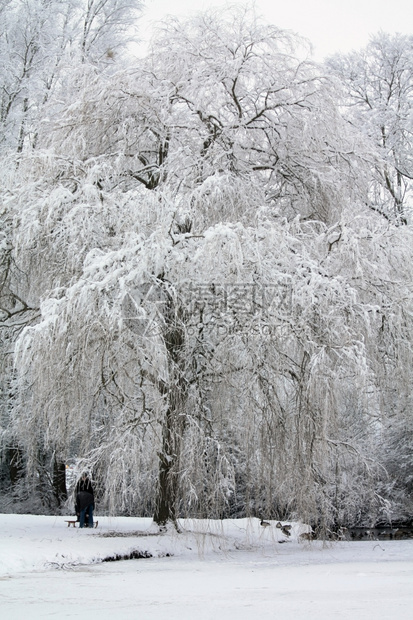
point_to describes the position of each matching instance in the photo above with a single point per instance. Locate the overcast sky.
(330, 25)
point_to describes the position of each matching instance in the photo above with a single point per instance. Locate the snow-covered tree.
(42, 43)
(378, 84)
(255, 110)
(215, 295)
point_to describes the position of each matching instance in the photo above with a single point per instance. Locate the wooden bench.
(73, 523)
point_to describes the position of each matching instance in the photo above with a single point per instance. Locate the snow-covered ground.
(231, 570)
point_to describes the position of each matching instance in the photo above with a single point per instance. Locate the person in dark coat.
(85, 500)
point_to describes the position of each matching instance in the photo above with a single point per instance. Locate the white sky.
(330, 25)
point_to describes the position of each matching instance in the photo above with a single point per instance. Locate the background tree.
(41, 43)
(378, 87)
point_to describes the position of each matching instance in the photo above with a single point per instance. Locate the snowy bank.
(229, 570)
(40, 542)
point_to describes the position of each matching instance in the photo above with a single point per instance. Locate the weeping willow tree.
(215, 298)
(218, 369)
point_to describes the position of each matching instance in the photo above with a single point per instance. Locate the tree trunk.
(14, 459)
(167, 491)
(59, 481)
(176, 393)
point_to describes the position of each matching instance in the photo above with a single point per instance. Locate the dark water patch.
(114, 534)
(377, 533)
(133, 555)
